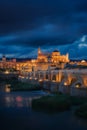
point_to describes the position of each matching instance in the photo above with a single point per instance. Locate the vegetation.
(21, 86)
(57, 102)
(82, 111)
(52, 103)
(18, 85)
(77, 100)
(74, 100)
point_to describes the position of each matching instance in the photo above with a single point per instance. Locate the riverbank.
(82, 111)
(60, 102)
(51, 103)
(13, 84)
(22, 86)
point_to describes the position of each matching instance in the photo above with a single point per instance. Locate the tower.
(39, 51)
(3, 58)
(67, 57)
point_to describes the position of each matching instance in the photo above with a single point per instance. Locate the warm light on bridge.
(7, 88)
(53, 80)
(21, 77)
(30, 78)
(40, 80)
(6, 72)
(77, 86)
(65, 83)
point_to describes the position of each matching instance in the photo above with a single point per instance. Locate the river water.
(16, 114)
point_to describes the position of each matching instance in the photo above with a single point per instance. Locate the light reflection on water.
(12, 101)
(20, 99)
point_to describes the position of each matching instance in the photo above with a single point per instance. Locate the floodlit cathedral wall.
(55, 57)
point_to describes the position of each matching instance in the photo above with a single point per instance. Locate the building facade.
(54, 57)
(42, 62)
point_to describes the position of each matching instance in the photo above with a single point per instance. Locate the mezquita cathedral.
(42, 62)
(54, 57)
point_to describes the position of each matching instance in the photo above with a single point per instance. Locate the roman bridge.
(57, 80)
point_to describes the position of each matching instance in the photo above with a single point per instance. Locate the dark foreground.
(16, 114)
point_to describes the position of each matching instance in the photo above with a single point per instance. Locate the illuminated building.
(3, 58)
(43, 61)
(41, 57)
(55, 57)
(4, 63)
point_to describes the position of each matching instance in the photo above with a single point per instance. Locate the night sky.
(26, 25)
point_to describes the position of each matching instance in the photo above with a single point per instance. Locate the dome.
(55, 51)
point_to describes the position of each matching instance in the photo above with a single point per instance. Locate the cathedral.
(54, 57)
(43, 61)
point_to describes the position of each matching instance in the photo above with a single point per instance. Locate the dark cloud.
(33, 23)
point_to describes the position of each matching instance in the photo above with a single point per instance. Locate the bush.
(51, 103)
(57, 102)
(82, 111)
(19, 86)
(77, 100)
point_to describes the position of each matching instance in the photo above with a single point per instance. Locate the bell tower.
(3, 58)
(67, 57)
(39, 51)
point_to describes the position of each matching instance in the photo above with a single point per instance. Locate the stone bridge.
(64, 81)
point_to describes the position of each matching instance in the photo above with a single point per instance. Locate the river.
(16, 114)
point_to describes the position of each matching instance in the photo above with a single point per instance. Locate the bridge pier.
(53, 86)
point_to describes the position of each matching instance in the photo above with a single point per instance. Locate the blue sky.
(51, 24)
